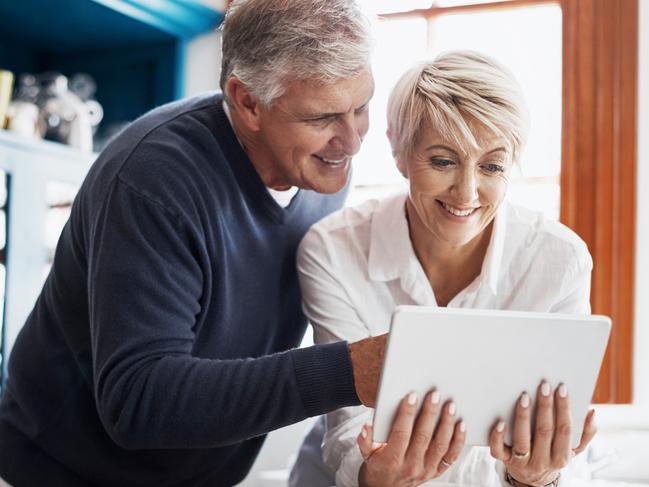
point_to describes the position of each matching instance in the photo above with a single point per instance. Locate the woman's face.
(456, 191)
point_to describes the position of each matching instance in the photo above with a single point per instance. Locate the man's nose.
(348, 137)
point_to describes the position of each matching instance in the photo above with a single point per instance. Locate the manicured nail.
(563, 390)
(462, 426)
(435, 397)
(451, 409)
(545, 389)
(500, 427)
(525, 400)
(412, 398)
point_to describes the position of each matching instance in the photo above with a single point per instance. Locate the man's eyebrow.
(317, 115)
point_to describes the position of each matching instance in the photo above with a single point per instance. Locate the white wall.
(203, 64)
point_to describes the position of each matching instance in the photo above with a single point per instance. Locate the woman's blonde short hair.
(454, 90)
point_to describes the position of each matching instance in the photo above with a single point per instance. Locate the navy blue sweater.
(156, 353)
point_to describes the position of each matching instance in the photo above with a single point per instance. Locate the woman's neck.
(449, 268)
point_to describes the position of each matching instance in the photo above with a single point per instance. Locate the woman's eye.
(439, 162)
(494, 168)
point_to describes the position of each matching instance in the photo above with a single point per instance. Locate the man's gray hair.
(268, 43)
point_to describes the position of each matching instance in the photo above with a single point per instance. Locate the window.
(576, 61)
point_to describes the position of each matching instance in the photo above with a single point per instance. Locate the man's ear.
(244, 103)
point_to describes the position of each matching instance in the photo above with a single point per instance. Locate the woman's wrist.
(515, 483)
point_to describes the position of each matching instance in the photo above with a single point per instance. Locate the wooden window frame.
(598, 166)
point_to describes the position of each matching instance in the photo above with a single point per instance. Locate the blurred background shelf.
(134, 49)
(137, 53)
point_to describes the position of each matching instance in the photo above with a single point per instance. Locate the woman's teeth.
(332, 162)
(456, 211)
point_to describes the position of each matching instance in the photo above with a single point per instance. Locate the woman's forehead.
(484, 138)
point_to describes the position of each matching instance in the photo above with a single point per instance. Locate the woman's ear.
(401, 165)
(244, 103)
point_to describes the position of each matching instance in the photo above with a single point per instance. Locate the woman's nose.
(466, 186)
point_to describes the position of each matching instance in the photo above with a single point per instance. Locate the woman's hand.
(417, 450)
(537, 457)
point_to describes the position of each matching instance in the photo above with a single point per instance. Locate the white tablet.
(484, 360)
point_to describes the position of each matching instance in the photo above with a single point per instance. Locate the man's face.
(308, 136)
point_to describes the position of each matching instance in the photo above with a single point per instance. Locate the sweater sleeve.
(145, 287)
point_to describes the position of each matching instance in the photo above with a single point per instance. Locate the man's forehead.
(338, 96)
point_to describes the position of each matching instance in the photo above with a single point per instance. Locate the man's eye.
(323, 121)
(361, 110)
(494, 168)
(439, 162)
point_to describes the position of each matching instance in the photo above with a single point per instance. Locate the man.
(156, 353)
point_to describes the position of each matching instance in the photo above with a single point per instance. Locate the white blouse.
(356, 265)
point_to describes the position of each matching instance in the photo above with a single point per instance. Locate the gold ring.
(519, 455)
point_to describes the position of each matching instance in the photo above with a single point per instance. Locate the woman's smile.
(458, 214)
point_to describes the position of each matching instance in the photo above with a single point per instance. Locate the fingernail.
(563, 390)
(462, 426)
(500, 427)
(434, 397)
(525, 400)
(545, 389)
(363, 432)
(451, 409)
(412, 398)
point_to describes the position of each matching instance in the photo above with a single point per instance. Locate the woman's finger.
(399, 437)
(497, 446)
(544, 427)
(439, 444)
(366, 443)
(561, 445)
(455, 447)
(424, 426)
(522, 435)
(590, 429)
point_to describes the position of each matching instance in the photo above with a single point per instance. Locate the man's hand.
(367, 360)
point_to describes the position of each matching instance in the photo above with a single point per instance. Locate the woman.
(457, 126)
